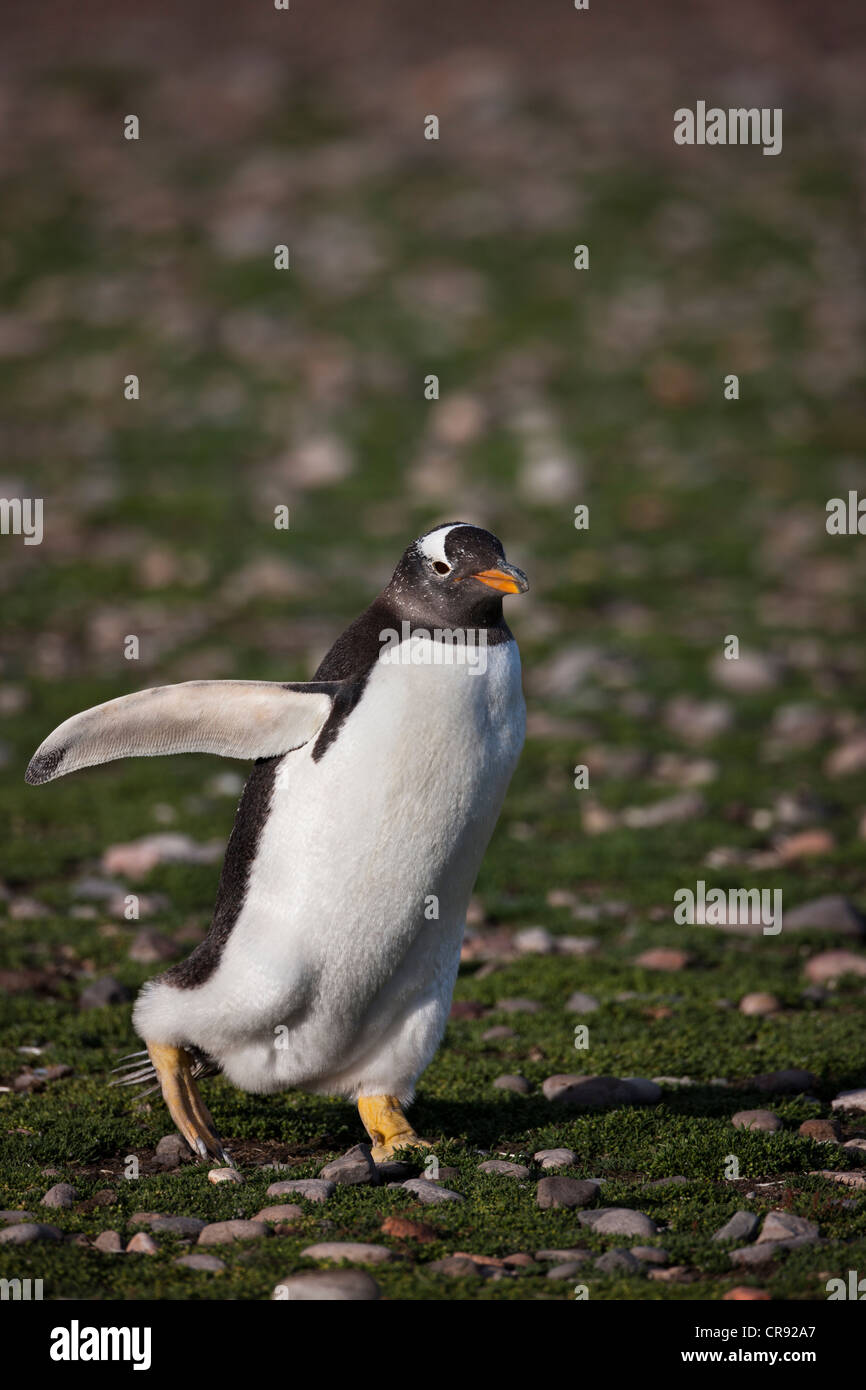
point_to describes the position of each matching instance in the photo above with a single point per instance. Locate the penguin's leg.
(387, 1126)
(173, 1067)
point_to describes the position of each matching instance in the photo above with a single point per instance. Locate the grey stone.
(354, 1168)
(566, 1192)
(650, 1254)
(619, 1262)
(587, 1091)
(16, 1218)
(457, 1266)
(503, 1168)
(172, 1150)
(27, 1231)
(742, 1226)
(518, 1006)
(288, 1211)
(353, 1251)
(328, 1286)
(789, 1081)
(756, 1119)
(646, 1092)
(109, 1243)
(62, 1194)
(568, 1270)
(555, 1158)
(226, 1232)
(184, 1226)
(211, 1264)
(142, 1244)
(850, 1100)
(832, 913)
(429, 1193)
(101, 992)
(783, 1225)
(313, 1189)
(623, 1221)
(579, 1003)
(518, 1084)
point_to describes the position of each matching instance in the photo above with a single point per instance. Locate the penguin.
(335, 940)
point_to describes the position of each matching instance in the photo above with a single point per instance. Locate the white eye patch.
(432, 546)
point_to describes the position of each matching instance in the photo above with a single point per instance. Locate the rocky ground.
(720, 1144)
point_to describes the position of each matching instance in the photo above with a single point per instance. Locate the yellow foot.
(185, 1105)
(387, 1126)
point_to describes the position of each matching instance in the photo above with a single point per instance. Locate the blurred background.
(558, 387)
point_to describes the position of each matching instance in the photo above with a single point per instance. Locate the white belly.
(338, 973)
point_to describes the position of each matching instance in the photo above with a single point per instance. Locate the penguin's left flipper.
(237, 719)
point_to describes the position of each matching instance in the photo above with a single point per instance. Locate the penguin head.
(456, 573)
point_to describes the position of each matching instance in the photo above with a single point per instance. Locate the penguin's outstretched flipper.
(237, 719)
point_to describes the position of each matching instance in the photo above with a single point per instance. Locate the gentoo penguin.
(335, 941)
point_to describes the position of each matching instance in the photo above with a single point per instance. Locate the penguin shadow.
(480, 1123)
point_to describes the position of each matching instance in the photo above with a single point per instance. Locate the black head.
(453, 576)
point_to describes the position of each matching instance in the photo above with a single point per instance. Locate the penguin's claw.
(387, 1126)
(174, 1068)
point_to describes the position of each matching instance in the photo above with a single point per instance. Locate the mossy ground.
(691, 497)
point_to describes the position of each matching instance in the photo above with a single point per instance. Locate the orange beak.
(508, 580)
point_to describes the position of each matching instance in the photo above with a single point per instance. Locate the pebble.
(328, 1285)
(224, 1232)
(849, 757)
(457, 1266)
(555, 1158)
(850, 1100)
(756, 1119)
(287, 1211)
(664, 958)
(675, 1275)
(832, 913)
(689, 805)
(172, 1150)
(849, 1179)
(590, 1091)
(401, 1228)
(62, 1194)
(790, 1081)
(518, 1006)
(675, 1180)
(624, 1221)
(824, 1131)
(138, 857)
(183, 1226)
(353, 1251)
(750, 673)
(211, 1264)
(832, 965)
(576, 1253)
(16, 1218)
(534, 941)
(804, 845)
(568, 1270)
(645, 1092)
(745, 1293)
(353, 1168)
(100, 993)
(618, 1262)
(109, 1243)
(313, 1189)
(759, 1003)
(650, 1254)
(742, 1226)
(142, 1244)
(516, 1083)
(698, 721)
(783, 1225)
(856, 1148)
(565, 1192)
(503, 1168)
(27, 1231)
(429, 1193)
(498, 1034)
(579, 1003)
(224, 1175)
(149, 946)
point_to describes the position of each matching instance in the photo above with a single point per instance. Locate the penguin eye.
(440, 567)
